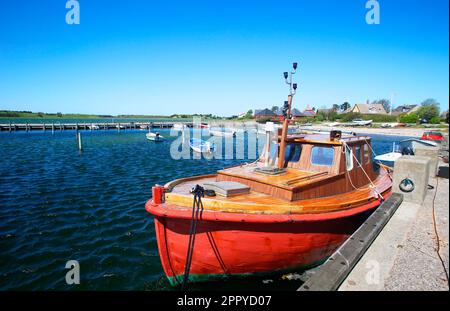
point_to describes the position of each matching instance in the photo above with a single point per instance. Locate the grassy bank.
(42, 115)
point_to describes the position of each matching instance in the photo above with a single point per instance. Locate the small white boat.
(259, 131)
(390, 156)
(222, 133)
(406, 146)
(361, 122)
(154, 137)
(202, 126)
(201, 146)
(390, 124)
(333, 124)
(93, 127)
(178, 126)
(238, 130)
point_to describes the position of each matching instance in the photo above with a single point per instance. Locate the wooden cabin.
(320, 174)
(315, 166)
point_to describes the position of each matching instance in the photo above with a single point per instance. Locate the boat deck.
(261, 203)
(291, 179)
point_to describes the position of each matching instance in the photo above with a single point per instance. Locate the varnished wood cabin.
(316, 166)
(319, 170)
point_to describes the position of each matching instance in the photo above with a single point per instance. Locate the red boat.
(276, 214)
(435, 136)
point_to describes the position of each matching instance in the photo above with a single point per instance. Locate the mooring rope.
(197, 205)
(436, 233)
(372, 185)
(367, 143)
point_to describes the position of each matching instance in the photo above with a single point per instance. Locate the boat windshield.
(273, 151)
(293, 152)
(322, 156)
(358, 154)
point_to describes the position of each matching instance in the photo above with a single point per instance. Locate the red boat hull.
(231, 244)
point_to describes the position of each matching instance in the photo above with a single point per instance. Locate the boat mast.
(287, 114)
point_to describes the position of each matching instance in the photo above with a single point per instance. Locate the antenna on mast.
(287, 113)
(272, 170)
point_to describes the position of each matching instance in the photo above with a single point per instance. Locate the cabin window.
(366, 154)
(348, 157)
(322, 156)
(273, 151)
(293, 152)
(358, 154)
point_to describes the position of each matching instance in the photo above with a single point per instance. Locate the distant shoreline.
(397, 131)
(14, 114)
(74, 116)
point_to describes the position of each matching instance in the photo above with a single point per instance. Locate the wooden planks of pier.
(52, 126)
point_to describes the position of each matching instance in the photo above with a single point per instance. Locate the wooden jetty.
(57, 126)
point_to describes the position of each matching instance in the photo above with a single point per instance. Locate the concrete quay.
(412, 251)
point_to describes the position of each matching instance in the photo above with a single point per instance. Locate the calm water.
(57, 204)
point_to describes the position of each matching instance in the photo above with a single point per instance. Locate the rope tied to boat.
(197, 206)
(388, 169)
(372, 185)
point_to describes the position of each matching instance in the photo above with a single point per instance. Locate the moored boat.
(390, 157)
(93, 127)
(179, 126)
(278, 213)
(222, 133)
(361, 122)
(201, 146)
(156, 137)
(433, 136)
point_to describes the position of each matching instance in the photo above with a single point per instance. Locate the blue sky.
(220, 57)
